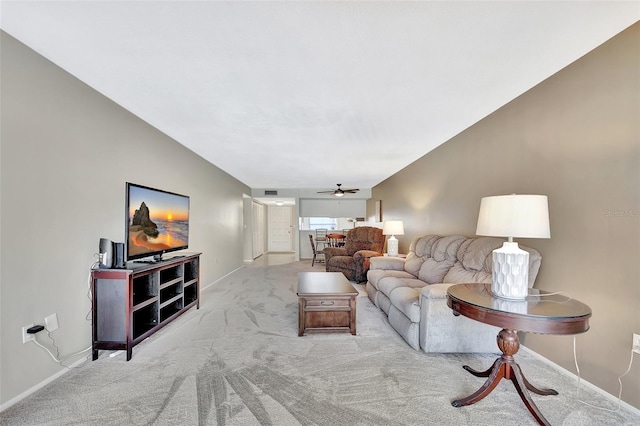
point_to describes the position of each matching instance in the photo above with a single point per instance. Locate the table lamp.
(392, 227)
(516, 215)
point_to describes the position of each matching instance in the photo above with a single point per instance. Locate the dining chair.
(315, 252)
(321, 238)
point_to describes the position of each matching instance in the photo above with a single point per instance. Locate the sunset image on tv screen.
(158, 221)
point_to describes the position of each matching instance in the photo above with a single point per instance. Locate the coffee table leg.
(506, 367)
(300, 316)
(352, 320)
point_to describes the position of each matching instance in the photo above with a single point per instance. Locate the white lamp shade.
(393, 227)
(523, 216)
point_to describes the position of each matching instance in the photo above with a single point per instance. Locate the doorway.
(280, 225)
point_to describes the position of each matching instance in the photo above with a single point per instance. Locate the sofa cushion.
(423, 246)
(375, 275)
(442, 258)
(477, 253)
(475, 260)
(408, 330)
(390, 284)
(407, 301)
(419, 251)
(458, 274)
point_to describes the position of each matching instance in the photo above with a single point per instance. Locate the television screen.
(157, 222)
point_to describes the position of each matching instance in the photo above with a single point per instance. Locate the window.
(318, 222)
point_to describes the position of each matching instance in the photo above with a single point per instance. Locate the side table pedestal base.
(505, 367)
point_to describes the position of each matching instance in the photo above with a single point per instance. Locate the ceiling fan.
(339, 192)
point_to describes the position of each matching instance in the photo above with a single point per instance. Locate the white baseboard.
(40, 385)
(583, 382)
(222, 277)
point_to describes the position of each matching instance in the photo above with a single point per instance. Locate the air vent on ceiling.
(270, 192)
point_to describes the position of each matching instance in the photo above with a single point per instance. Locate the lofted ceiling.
(308, 94)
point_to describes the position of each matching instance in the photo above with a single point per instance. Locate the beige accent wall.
(66, 152)
(576, 138)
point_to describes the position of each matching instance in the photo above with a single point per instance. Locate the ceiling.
(303, 94)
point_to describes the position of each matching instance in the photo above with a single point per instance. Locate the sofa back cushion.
(458, 259)
(442, 257)
(475, 260)
(364, 238)
(419, 251)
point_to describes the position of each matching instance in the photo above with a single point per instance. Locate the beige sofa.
(413, 291)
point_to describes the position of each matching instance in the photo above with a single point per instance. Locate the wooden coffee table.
(541, 312)
(326, 303)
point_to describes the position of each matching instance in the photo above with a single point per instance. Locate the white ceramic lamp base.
(510, 276)
(392, 246)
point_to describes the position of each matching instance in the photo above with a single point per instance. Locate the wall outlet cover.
(26, 337)
(51, 322)
(636, 343)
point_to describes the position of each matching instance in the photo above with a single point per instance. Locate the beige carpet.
(239, 361)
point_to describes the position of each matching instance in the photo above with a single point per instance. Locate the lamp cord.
(575, 360)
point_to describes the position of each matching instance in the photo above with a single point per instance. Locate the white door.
(258, 229)
(280, 229)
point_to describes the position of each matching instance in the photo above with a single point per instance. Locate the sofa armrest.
(435, 291)
(362, 262)
(387, 263)
(366, 254)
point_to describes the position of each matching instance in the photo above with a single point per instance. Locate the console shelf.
(131, 304)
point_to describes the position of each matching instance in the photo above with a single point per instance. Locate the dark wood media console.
(131, 304)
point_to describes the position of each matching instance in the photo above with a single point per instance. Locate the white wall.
(66, 153)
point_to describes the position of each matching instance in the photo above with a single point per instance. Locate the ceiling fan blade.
(340, 191)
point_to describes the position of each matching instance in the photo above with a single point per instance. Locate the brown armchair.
(352, 260)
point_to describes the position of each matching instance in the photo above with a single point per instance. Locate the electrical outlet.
(636, 343)
(51, 322)
(26, 337)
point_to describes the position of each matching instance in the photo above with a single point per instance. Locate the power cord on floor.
(575, 360)
(57, 358)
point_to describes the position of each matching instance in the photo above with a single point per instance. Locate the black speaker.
(119, 256)
(106, 253)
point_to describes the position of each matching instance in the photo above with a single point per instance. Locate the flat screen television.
(157, 222)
